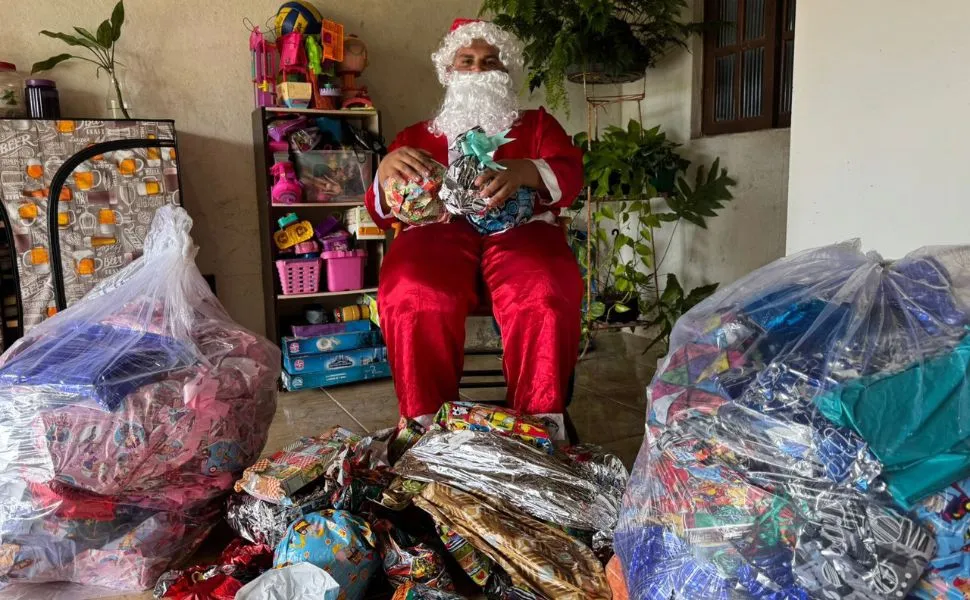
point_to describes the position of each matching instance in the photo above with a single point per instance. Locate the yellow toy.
(292, 232)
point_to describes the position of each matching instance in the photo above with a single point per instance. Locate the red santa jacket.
(536, 135)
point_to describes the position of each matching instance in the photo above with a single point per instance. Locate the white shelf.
(325, 294)
(320, 204)
(324, 113)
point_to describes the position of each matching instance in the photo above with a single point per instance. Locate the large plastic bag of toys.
(124, 420)
(809, 435)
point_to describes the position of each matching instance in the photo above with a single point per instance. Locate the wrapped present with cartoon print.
(456, 416)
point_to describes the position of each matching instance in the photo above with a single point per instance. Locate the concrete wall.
(879, 128)
(750, 232)
(189, 61)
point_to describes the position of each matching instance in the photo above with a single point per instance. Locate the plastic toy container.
(299, 275)
(334, 175)
(345, 269)
(11, 91)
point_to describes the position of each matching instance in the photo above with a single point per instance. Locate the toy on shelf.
(333, 175)
(264, 68)
(314, 55)
(332, 236)
(299, 275)
(298, 17)
(332, 39)
(287, 189)
(353, 64)
(281, 129)
(295, 93)
(292, 231)
(345, 269)
(330, 97)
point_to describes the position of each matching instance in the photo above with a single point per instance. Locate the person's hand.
(499, 186)
(406, 164)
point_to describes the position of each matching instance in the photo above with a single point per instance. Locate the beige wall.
(880, 125)
(189, 61)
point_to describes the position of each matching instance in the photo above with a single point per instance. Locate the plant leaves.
(70, 40)
(621, 308)
(92, 41)
(673, 292)
(597, 309)
(117, 20)
(50, 63)
(105, 34)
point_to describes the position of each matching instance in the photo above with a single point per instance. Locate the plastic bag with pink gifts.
(124, 420)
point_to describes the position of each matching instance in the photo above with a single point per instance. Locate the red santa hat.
(463, 32)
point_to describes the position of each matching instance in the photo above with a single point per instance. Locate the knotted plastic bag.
(799, 416)
(125, 419)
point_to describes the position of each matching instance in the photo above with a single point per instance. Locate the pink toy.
(345, 269)
(299, 275)
(279, 130)
(293, 58)
(264, 68)
(286, 190)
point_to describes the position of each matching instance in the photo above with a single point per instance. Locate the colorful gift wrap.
(329, 343)
(476, 565)
(617, 580)
(238, 564)
(946, 515)
(276, 478)
(416, 202)
(535, 555)
(458, 416)
(416, 591)
(515, 211)
(459, 193)
(334, 361)
(303, 381)
(338, 542)
(407, 434)
(408, 560)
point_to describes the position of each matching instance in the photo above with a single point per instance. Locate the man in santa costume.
(430, 279)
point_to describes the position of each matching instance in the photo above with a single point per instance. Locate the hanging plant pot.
(665, 180)
(601, 74)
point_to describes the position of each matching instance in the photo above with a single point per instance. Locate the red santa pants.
(430, 282)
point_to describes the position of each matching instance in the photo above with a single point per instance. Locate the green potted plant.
(101, 45)
(597, 41)
(638, 180)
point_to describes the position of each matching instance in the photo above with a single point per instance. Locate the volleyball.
(297, 16)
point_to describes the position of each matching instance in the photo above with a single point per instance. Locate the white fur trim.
(550, 180)
(509, 47)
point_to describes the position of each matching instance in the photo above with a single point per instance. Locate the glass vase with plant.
(101, 46)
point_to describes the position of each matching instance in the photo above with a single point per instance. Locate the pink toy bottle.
(286, 189)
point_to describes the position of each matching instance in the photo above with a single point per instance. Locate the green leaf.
(105, 34)
(673, 292)
(597, 309)
(117, 20)
(608, 212)
(643, 249)
(621, 308)
(70, 40)
(50, 63)
(698, 294)
(87, 35)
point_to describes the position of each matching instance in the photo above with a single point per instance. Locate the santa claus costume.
(432, 274)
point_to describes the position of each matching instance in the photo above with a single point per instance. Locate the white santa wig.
(463, 33)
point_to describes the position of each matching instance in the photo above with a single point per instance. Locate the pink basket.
(345, 269)
(299, 275)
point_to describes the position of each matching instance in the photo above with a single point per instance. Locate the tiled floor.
(608, 406)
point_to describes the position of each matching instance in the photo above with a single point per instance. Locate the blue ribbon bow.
(476, 143)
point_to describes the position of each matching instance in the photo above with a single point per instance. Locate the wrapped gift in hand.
(461, 196)
(417, 202)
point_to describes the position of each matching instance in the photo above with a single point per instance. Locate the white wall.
(750, 232)
(880, 124)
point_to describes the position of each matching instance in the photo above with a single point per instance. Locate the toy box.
(362, 225)
(334, 175)
(316, 380)
(308, 331)
(333, 361)
(330, 343)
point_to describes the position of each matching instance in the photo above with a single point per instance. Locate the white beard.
(486, 99)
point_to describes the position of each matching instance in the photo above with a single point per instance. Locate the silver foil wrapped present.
(458, 193)
(547, 487)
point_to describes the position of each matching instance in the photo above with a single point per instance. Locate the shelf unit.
(283, 310)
